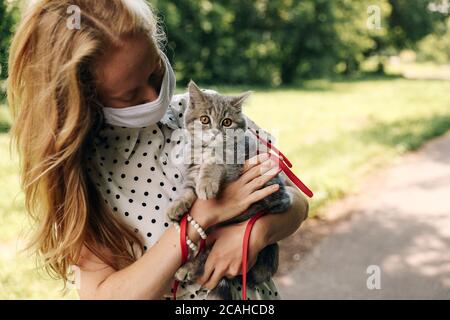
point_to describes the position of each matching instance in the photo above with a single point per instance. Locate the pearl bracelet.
(189, 242)
(197, 227)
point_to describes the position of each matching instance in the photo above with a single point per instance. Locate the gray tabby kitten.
(211, 115)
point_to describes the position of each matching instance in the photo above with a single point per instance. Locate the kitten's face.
(213, 113)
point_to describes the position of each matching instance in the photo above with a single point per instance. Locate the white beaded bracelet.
(189, 242)
(197, 227)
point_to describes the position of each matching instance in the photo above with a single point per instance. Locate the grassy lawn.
(333, 132)
(337, 132)
(18, 278)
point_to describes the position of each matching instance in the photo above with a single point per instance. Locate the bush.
(436, 47)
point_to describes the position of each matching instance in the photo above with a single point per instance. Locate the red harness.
(285, 166)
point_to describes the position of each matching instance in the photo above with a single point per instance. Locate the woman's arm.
(147, 278)
(225, 258)
(151, 275)
(272, 228)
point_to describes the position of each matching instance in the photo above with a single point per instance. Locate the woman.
(96, 172)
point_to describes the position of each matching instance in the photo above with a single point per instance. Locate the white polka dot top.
(132, 170)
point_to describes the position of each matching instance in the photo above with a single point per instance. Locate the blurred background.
(351, 89)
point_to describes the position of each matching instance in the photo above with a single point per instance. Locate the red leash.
(184, 251)
(272, 147)
(245, 245)
(285, 164)
(295, 179)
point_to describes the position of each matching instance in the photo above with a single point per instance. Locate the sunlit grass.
(5, 119)
(333, 132)
(336, 132)
(18, 276)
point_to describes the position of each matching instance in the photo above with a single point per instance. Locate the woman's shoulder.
(183, 95)
(174, 114)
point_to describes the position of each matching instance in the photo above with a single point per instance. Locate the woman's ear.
(195, 94)
(239, 100)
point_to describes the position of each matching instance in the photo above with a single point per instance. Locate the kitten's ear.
(239, 100)
(195, 93)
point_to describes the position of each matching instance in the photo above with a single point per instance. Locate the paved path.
(401, 224)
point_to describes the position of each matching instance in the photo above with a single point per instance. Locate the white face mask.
(147, 114)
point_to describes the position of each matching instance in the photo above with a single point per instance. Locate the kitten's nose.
(215, 132)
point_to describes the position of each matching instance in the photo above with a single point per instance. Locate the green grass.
(18, 276)
(5, 119)
(333, 132)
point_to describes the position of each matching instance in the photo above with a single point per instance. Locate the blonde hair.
(56, 115)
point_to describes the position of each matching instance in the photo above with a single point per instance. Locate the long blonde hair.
(54, 106)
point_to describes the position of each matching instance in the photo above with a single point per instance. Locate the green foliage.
(274, 42)
(411, 21)
(5, 119)
(436, 47)
(280, 41)
(7, 22)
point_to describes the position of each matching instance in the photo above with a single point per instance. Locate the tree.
(411, 21)
(278, 41)
(408, 22)
(7, 21)
(265, 42)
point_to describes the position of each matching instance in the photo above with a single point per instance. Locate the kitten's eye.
(204, 119)
(227, 122)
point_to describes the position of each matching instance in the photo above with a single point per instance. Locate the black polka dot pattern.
(132, 169)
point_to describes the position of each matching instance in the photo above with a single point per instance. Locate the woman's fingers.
(261, 194)
(258, 170)
(254, 161)
(217, 275)
(260, 181)
(209, 269)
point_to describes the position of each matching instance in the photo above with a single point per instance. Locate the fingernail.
(275, 186)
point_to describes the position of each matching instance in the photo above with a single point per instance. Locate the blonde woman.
(94, 111)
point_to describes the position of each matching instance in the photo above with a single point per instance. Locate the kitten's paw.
(177, 210)
(207, 190)
(221, 292)
(185, 274)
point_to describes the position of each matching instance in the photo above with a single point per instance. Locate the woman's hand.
(239, 195)
(225, 258)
